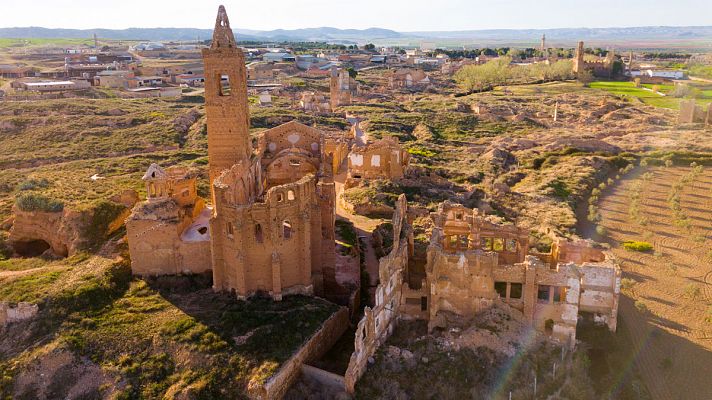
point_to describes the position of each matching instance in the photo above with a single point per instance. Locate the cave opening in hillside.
(31, 248)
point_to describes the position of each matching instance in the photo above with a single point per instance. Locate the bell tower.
(226, 105)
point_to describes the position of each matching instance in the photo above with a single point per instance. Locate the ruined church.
(271, 226)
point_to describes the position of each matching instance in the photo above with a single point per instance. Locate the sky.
(399, 15)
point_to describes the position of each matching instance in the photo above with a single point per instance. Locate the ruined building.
(382, 159)
(271, 228)
(602, 67)
(474, 262)
(407, 78)
(314, 102)
(342, 88)
(168, 233)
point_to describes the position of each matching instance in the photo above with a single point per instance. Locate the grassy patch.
(637, 246)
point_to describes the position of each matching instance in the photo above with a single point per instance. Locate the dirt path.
(364, 227)
(666, 310)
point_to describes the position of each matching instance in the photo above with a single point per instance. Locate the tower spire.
(222, 34)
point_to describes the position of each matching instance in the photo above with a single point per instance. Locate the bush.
(33, 184)
(105, 212)
(637, 246)
(601, 230)
(38, 202)
(641, 307)
(627, 283)
(692, 291)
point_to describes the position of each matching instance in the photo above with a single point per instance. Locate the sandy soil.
(673, 337)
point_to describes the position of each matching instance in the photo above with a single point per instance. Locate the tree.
(585, 77)
(370, 47)
(352, 72)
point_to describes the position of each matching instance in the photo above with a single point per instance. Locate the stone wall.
(378, 323)
(691, 112)
(16, 313)
(323, 340)
(384, 159)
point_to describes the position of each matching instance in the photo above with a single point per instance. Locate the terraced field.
(667, 308)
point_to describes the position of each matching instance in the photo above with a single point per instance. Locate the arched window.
(290, 195)
(287, 230)
(258, 233)
(280, 197)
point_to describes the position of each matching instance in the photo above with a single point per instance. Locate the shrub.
(641, 307)
(33, 184)
(692, 291)
(421, 151)
(601, 230)
(560, 189)
(627, 283)
(637, 246)
(38, 202)
(104, 213)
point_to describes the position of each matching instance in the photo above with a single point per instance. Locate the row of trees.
(498, 72)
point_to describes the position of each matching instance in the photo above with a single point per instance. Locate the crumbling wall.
(691, 112)
(338, 150)
(378, 322)
(289, 136)
(15, 313)
(341, 87)
(383, 159)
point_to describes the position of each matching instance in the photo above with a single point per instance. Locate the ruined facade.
(274, 217)
(314, 102)
(383, 159)
(342, 87)
(408, 78)
(474, 262)
(602, 68)
(168, 233)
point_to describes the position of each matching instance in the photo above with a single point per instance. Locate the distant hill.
(567, 34)
(310, 34)
(385, 36)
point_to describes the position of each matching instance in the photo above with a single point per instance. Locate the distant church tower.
(543, 45)
(226, 105)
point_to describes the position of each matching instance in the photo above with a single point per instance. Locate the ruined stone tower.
(578, 59)
(340, 87)
(226, 104)
(543, 45)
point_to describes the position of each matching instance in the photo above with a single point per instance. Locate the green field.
(628, 90)
(8, 42)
